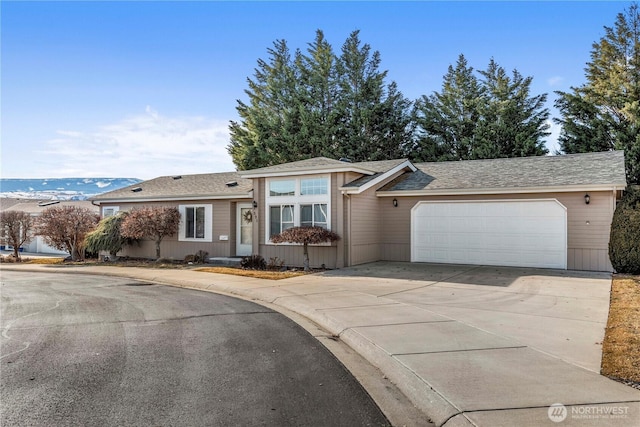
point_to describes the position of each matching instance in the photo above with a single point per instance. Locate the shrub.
(624, 242)
(65, 228)
(107, 236)
(305, 236)
(201, 257)
(155, 222)
(253, 262)
(17, 226)
(275, 264)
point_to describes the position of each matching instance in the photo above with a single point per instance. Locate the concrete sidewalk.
(460, 368)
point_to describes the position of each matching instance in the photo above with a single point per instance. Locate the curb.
(435, 408)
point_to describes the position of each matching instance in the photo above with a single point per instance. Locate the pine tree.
(604, 113)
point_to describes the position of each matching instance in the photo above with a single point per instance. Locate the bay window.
(291, 202)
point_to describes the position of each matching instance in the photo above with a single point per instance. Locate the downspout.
(347, 246)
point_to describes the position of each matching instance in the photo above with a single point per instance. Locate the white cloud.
(555, 80)
(142, 146)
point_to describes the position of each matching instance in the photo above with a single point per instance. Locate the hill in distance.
(61, 188)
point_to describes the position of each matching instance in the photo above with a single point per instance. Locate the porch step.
(224, 261)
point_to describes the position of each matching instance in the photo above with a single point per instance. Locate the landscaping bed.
(621, 345)
(259, 274)
(146, 263)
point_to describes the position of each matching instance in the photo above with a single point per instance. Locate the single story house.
(34, 207)
(547, 211)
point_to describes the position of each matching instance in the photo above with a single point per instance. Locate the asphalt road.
(79, 350)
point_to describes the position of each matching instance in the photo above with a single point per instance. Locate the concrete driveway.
(494, 345)
(562, 313)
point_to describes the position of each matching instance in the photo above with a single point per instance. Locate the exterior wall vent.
(48, 203)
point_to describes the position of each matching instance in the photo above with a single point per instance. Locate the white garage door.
(522, 233)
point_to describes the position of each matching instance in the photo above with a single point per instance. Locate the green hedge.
(624, 243)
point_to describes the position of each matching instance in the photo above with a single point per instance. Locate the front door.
(244, 229)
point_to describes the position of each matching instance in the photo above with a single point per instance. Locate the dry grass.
(43, 261)
(258, 274)
(9, 259)
(621, 345)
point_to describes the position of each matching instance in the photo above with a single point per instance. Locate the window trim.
(313, 213)
(208, 223)
(297, 200)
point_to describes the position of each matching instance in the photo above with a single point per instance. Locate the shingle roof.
(323, 163)
(7, 202)
(379, 167)
(185, 186)
(37, 206)
(605, 168)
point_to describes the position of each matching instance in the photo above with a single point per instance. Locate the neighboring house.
(548, 211)
(35, 208)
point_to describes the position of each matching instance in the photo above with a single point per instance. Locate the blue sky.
(143, 89)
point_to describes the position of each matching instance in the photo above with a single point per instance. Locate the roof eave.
(357, 190)
(511, 190)
(307, 171)
(248, 195)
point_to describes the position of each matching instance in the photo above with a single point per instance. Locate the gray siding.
(365, 228)
(223, 212)
(588, 226)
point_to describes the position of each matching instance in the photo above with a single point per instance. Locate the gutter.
(511, 190)
(178, 198)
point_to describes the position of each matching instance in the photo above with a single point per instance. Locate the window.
(314, 186)
(313, 215)
(303, 201)
(281, 218)
(108, 211)
(282, 188)
(196, 223)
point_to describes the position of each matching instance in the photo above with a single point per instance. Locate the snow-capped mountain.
(61, 188)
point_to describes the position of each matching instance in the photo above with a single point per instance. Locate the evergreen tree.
(374, 118)
(319, 104)
(604, 113)
(107, 237)
(318, 100)
(447, 121)
(475, 118)
(270, 122)
(513, 122)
